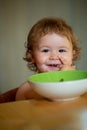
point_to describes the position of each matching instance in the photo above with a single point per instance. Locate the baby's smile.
(53, 66)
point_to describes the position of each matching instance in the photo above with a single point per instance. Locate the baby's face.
(52, 51)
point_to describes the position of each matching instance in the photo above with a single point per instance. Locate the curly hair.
(48, 26)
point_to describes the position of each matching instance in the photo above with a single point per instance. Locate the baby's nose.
(54, 56)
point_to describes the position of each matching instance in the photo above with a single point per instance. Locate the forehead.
(54, 39)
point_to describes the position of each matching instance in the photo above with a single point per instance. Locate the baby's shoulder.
(23, 89)
(24, 85)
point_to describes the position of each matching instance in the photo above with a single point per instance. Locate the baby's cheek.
(68, 60)
(40, 62)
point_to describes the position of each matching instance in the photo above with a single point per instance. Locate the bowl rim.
(60, 82)
(64, 82)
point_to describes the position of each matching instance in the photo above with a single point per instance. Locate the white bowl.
(60, 85)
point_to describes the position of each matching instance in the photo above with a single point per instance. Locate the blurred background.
(16, 19)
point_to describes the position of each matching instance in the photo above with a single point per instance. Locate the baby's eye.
(62, 50)
(45, 50)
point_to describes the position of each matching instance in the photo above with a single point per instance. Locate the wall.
(17, 17)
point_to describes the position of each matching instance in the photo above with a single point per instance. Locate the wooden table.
(44, 115)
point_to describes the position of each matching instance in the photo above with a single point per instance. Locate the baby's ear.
(74, 54)
(32, 57)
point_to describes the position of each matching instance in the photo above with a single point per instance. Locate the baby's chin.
(46, 69)
(51, 70)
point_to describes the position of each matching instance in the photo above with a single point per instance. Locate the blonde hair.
(46, 26)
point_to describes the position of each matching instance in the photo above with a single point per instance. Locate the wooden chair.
(8, 96)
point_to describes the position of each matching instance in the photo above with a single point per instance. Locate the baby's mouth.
(54, 65)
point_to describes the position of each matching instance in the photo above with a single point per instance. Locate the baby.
(51, 46)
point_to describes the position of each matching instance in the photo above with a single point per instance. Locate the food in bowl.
(60, 85)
